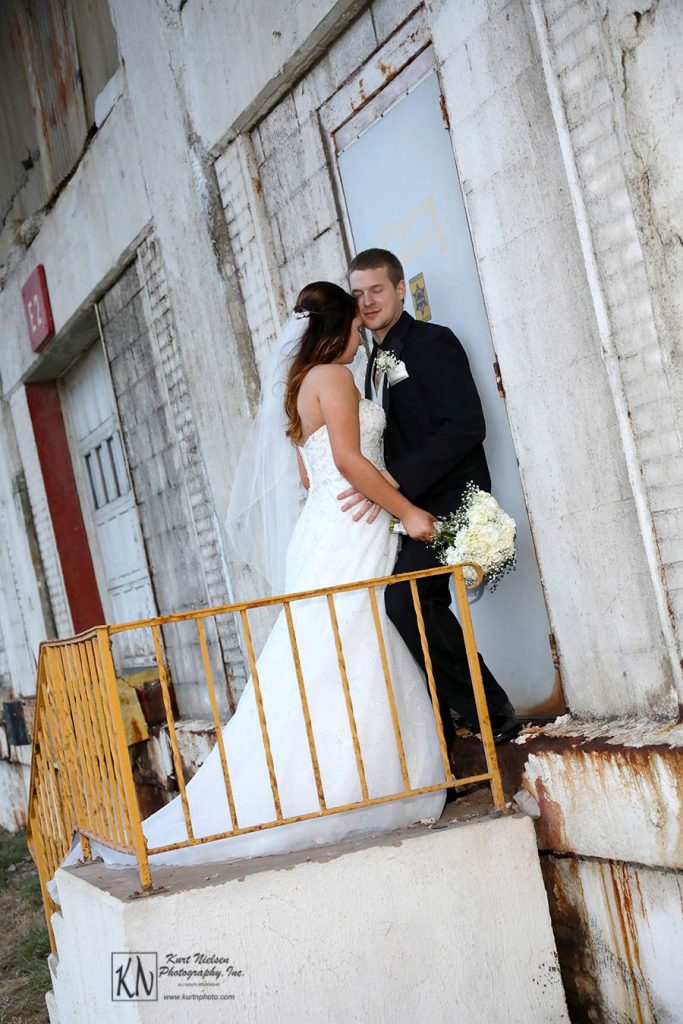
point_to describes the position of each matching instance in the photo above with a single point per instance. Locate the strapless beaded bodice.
(317, 451)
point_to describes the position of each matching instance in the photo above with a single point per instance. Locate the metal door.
(402, 193)
(108, 501)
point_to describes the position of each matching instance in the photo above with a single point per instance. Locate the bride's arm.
(338, 397)
(303, 475)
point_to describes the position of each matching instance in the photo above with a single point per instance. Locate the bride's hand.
(419, 524)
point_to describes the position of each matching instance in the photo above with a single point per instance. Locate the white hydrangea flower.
(480, 532)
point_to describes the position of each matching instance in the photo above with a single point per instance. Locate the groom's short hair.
(372, 259)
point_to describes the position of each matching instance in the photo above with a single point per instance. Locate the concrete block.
(611, 631)
(491, 138)
(471, 895)
(450, 33)
(307, 214)
(585, 103)
(619, 931)
(352, 48)
(278, 125)
(387, 15)
(303, 160)
(669, 524)
(482, 207)
(609, 790)
(324, 258)
(668, 496)
(501, 48)
(312, 91)
(569, 22)
(659, 445)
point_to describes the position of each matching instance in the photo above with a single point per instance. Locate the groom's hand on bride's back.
(369, 508)
(355, 497)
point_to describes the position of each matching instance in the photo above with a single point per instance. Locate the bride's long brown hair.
(332, 311)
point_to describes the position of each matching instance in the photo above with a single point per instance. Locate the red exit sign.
(37, 308)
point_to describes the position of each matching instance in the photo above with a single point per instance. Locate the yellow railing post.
(217, 722)
(347, 697)
(170, 721)
(478, 688)
(65, 725)
(429, 672)
(139, 841)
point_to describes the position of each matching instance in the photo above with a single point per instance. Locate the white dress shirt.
(377, 393)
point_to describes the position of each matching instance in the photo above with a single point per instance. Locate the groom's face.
(380, 301)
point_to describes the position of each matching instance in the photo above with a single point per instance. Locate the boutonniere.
(395, 369)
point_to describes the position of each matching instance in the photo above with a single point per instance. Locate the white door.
(108, 502)
(402, 193)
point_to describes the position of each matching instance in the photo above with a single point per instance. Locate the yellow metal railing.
(81, 771)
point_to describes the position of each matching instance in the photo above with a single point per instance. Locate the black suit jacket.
(435, 423)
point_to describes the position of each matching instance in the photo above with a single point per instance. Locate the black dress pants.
(444, 637)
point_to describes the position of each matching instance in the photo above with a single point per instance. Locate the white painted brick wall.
(20, 617)
(18, 662)
(589, 91)
(299, 198)
(194, 474)
(252, 244)
(25, 615)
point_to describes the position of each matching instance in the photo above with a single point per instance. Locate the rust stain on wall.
(388, 72)
(625, 937)
(596, 931)
(444, 112)
(554, 703)
(550, 826)
(569, 919)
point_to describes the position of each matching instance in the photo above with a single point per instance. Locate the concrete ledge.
(612, 790)
(443, 924)
(619, 930)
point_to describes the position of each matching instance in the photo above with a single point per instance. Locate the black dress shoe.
(505, 730)
(505, 725)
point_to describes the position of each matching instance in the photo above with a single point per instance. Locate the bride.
(312, 428)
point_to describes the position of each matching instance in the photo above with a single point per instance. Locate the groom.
(432, 447)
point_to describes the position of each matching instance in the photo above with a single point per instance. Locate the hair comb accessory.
(301, 313)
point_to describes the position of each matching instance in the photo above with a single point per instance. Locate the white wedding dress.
(326, 548)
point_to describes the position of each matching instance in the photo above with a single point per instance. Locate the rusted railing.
(81, 772)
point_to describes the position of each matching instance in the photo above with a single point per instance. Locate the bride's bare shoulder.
(329, 375)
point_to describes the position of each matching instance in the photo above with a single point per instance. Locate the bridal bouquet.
(478, 531)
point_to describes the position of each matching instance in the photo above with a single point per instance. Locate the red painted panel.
(65, 509)
(37, 308)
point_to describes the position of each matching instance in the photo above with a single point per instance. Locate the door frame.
(343, 120)
(83, 485)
